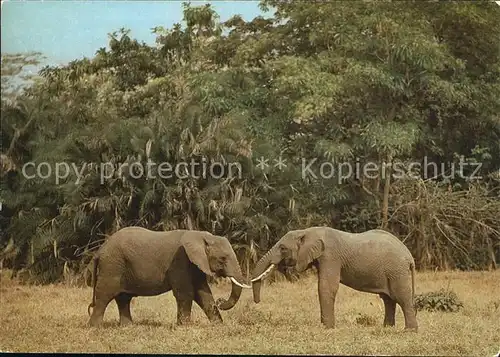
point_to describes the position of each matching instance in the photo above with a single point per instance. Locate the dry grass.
(53, 319)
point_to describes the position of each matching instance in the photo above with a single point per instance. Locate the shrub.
(366, 320)
(442, 300)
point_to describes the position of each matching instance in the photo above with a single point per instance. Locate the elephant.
(135, 261)
(374, 261)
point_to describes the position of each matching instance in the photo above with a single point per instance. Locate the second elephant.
(135, 261)
(374, 261)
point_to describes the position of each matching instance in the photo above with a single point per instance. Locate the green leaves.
(390, 138)
(336, 82)
(442, 301)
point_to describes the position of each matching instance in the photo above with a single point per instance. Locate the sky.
(65, 30)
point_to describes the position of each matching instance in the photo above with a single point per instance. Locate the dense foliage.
(441, 300)
(317, 84)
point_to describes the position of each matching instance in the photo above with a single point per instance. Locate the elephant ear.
(311, 248)
(196, 245)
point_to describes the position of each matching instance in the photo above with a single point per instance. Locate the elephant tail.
(94, 282)
(412, 267)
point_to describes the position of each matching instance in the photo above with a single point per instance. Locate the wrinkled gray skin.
(138, 262)
(374, 261)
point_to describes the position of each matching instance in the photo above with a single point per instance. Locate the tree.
(319, 86)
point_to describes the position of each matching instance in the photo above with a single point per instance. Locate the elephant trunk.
(256, 285)
(237, 286)
(263, 267)
(233, 299)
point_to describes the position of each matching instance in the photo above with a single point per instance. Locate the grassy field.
(53, 319)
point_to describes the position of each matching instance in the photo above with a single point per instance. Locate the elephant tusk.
(268, 270)
(240, 285)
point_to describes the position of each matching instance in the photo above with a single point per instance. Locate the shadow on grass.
(142, 322)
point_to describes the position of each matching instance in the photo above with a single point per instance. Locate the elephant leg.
(390, 310)
(204, 298)
(402, 294)
(184, 306)
(328, 285)
(123, 301)
(98, 311)
(105, 291)
(409, 314)
(184, 295)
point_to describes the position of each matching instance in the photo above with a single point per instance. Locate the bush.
(366, 320)
(442, 300)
